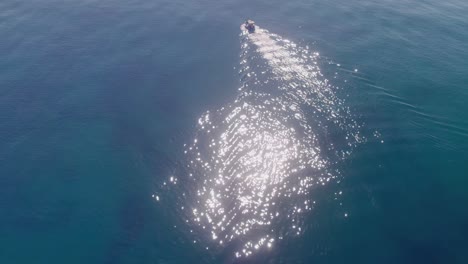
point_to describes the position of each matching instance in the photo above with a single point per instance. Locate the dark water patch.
(133, 220)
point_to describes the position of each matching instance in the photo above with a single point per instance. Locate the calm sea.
(156, 131)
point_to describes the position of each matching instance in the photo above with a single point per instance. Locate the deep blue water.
(98, 98)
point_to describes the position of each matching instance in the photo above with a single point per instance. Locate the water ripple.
(254, 162)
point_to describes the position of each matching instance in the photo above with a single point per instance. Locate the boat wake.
(254, 163)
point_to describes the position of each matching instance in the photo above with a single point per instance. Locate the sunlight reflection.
(255, 161)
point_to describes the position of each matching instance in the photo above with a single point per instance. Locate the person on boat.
(250, 25)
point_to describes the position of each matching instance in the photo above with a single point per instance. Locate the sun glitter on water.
(254, 162)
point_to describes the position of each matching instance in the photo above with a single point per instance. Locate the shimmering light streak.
(254, 162)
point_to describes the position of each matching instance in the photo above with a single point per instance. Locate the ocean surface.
(156, 131)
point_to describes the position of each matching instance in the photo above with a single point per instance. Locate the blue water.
(100, 100)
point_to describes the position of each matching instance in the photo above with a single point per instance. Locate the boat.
(249, 25)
